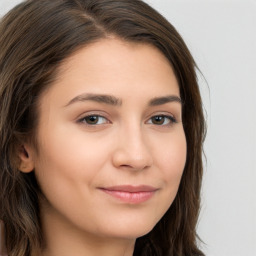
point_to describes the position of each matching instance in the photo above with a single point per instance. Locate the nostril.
(134, 168)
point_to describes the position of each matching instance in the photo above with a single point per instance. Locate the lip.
(131, 194)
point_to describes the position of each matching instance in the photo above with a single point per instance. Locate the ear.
(26, 163)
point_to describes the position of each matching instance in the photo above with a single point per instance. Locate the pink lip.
(131, 194)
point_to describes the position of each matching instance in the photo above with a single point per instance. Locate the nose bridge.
(135, 139)
(132, 147)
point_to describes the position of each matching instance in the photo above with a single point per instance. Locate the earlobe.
(26, 163)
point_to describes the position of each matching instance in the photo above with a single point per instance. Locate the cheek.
(171, 160)
(66, 171)
(70, 152)
(71, 160)
(66, 163)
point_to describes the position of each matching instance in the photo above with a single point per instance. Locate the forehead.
(114, 66)
(114, 52)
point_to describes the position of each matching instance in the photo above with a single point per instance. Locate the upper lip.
(131, 188)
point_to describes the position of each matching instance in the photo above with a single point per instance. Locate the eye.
(162, 120)
(93, 120)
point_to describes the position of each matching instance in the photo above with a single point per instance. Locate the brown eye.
(162, 120)
(93, 120)
(158, 120)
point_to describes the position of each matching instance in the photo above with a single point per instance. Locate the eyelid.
(102, 114)
(172, 119)
(90, 114)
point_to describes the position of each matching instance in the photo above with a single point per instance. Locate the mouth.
(131, 194)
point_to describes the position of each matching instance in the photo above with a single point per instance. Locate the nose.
(132, 151)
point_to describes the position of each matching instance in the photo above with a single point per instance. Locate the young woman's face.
(112, 147)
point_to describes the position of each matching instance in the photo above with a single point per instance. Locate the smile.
(131, 194)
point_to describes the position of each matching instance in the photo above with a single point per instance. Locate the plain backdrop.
(221, 35)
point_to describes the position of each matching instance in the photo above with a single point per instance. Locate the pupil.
(158, 119)
(92, 119)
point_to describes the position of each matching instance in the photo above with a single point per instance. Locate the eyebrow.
(112, 100)
(163, 100)
(101, 98)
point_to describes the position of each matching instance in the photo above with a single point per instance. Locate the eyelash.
(171, 120)
(83, 120)
(167, 118)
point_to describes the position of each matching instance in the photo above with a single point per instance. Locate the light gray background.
(221, 35)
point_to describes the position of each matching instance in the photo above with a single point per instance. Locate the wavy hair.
(36, 37)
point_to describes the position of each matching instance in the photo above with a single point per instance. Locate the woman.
(101, 131)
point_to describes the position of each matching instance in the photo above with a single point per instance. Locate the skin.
(127, 145)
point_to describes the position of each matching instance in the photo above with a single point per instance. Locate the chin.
(128, 230)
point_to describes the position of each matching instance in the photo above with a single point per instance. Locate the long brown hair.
(36, 37)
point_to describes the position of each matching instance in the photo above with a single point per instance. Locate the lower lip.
(130, 197)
